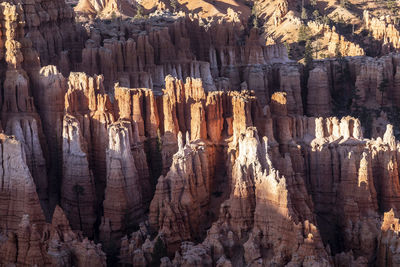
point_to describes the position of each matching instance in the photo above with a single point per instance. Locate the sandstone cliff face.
(86, 101)
(56, 245)
(145, 60)
(25, 235)
(20, 118)
(333, 42)
(199, 127)
(318, 96)
(383, 29)
(106, 7)
(258, 187)
(183, 195)
(18, 190)
(123, 194)
(351, 168)
(50, 87)
(78, 192)
(46, 30)
(249, 219)
(242, 217)
(388, 240)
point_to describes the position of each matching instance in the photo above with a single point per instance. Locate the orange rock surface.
(190, 138)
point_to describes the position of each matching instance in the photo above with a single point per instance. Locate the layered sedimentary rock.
(145, 60)
(78, 192)
(46, 30)
(87, 102)
(331, 148)
(318, 95)
(123, 196)
(257, 187)
(389, 240)
(198, 126)
(106, 7)
(50, 87)
(290, 84)
(139, 107)
(56, 245)
(334, 42)
(19, 116)
(18, 191)
(351, 174)
(183, 195)
(383, 29)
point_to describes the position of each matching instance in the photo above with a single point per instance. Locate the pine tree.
(338, 54)
(304, 15)
(139, 11)
(255, 13)
(78, 190)
(159, 251)
(313, 3)
(304, 34)
(174, 4)
(308, 51)
(382, 88)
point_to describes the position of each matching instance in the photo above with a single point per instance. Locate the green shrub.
(303, 34)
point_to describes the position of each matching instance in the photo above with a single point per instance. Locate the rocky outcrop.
(197, 126)
(78, 192)
(87, 102)
(289, 78)
(123, 204)
(18, 191)
(183, 195)
(139, 250)
(245, 217)
(389, 239)
(318, 95)
(46, 30)
(106, 7)
(244, 221)
(19, 118)
(383, 29)
(140, 108)
(334, 42)
(56, 245)
(49, 90)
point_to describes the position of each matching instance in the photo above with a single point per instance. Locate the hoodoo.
(199, 133)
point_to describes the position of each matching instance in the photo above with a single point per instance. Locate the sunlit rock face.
(78, 197)
(176, 140)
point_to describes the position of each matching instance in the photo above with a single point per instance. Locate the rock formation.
(383, 29)
(86, 101)
(318, 97)
(123, 196)
(183, 195)
(78, 192)
(18, 189)
(56, 245)
(106, 7)
(184, 139)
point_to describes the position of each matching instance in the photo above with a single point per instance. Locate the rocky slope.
(180, 140)
(350, 27)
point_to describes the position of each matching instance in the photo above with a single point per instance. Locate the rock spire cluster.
(183, 141)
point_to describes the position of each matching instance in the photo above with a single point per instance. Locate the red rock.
(123, 196)
(78, 192)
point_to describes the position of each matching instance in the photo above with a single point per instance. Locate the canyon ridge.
(199, 133)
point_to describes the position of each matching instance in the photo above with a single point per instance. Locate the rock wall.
(198, 127)
(78, 189)
(123, 197)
